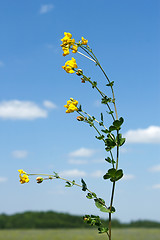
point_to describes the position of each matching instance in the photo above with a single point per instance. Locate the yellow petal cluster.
(84, 41)
(23, 176)
(68, 43)
(70, 65)
(71, 105)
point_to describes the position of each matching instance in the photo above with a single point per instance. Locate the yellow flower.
(70, 65)
(68, 43)
(23, 178)
(21, 171)
(74, 48)
(84, 41)
(71, 105)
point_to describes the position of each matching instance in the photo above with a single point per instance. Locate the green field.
(79, 234)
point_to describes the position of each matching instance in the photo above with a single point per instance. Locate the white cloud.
(156, 186)
(155, 168)
(100, 160)
(46, 8)
(19, 154)
(49, 104)
(148, 135)
(98, 174)
(1, 64)
(128, 177)
(3, 179)
(82, 152)
(77, 161)
(72, 173)
(16, 109)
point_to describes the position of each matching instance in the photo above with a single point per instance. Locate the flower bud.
(83, 80)
(80, 118)
(39, 179)
(79, 72)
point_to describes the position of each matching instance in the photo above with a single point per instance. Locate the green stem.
(97, 62)
(110, 217)
(101, 93)
(50, 176)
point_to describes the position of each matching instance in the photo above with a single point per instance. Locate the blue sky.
(36, 133)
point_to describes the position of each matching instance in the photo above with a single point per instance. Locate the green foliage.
(92, 220)
(100, 203)
(113, 174)
(50, 219)
(110, 84)
(102, 230)
(120, 141)
(105, 100)
(94, 84)
(84, 185)
(70, 184)
(80, 108)
(91, 195)
(56, 175)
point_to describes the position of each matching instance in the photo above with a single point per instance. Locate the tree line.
(51, 219)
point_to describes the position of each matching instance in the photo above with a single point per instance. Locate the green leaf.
(105, 131)
(108, 159)
(89, 196)
(110, 84)
(112, 128)
(102, 117)
(120, 141)
(99, 202)
(105, 100)
(92, 220)
(102, 230)
(56, 175)
(112, 172)
(111, 112)
(84, 185)
(118, 123)
(73, 182)
(112, 209)
(100, 137)
(94, 195)
(68, 184)
(94, 84)
(110, 142)
(80, 108)
(119, 174)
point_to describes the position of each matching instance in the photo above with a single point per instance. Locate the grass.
(79, 234)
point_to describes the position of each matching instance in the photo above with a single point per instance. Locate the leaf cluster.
(113, 174)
